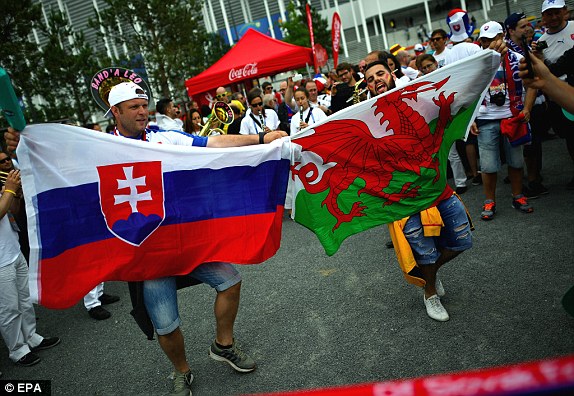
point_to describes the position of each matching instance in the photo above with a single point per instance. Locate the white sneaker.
(435, 309)
(439, 288)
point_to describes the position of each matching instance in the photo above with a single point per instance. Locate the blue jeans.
(489, 150)
(455, 235)
(160, 295)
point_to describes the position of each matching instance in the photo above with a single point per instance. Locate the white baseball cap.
(419, 47)
(490, 30)
(548, 4)
(122, 92)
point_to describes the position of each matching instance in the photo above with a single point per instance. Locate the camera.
(498, 98)
(541, 45)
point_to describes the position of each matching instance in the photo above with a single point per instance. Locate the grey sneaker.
(435, 309)
(236, 358)
(181, 384)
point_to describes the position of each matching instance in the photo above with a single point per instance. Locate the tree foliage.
(296, 30)
(17, 54)
(53, 78)
(170, 36)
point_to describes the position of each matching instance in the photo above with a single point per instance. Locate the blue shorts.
(455, 235)
(160, 295)
(489, 148)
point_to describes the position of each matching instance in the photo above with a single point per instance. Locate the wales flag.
(386, 158)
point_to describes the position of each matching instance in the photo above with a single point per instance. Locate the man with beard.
(429, 252)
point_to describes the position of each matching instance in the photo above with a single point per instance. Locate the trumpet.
(356, 98)
(3, 177)
(221, 114)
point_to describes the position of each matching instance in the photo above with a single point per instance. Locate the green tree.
(170, 36)
(51, 79)
(296, 30)
(18, 56)
(66, 65)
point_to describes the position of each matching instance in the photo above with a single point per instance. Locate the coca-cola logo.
(249, 69)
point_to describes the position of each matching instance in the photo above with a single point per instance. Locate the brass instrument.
(220, 114)
(262, 119)
(357, 92)
(3, 177)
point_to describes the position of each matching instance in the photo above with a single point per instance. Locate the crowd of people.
(514, 118)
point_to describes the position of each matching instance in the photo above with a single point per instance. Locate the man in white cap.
(460, 30)
(559, 37)
(506, 98)
(129, 106)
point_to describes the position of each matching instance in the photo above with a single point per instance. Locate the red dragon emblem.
(351, 146)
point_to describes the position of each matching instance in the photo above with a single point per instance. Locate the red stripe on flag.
(170, 250)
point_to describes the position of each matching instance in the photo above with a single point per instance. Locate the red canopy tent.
(254, 55)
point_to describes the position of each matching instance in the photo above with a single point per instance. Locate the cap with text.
(122, 92)
(549, 4)
(490, 30)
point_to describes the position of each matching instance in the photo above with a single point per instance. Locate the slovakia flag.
(102, 207)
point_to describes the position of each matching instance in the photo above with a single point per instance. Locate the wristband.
(12, 192)
(261, 137)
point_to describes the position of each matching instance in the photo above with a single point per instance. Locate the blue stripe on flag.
(72, 216)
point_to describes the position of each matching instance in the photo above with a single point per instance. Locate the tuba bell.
(220, 114)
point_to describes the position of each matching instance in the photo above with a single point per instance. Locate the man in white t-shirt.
(166, 115)
(439, 39)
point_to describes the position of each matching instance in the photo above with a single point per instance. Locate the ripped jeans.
(455, 235)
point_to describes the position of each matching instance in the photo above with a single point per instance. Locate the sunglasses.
(3, 161)
(436, 38)
(260, 104)
(221, 95)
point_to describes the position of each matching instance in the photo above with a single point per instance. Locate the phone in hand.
(530, 70)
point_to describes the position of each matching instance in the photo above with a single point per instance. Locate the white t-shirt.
(324, 100)
(558, 42)
(313, 114)
(461, 51)
(410, 72)
(440, 58)
(167, 123)
(169, 137)
(9, 245)
(490, 111)
(251, 127)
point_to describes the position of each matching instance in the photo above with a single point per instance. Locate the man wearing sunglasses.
(438, 41)
(222, 95)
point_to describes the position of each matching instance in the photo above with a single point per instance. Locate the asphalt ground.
(311, 321)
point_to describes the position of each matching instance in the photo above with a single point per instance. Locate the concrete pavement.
(310, 320)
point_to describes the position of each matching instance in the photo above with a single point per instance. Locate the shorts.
(455, 235)
(160, 295)
(489, 149)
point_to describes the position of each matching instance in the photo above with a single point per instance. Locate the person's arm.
(12, 138)
(289, 93)
(222, 141)
(528, 103)
(558, 90)
(9, 200)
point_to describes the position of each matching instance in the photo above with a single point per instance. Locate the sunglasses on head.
(4, 160)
